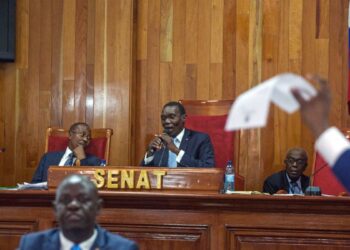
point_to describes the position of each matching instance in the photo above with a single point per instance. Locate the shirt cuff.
(331, 144)
(179, 156)
(147, 160)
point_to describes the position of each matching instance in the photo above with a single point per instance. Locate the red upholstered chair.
(57, 140)
(210, 117)
(323, 176)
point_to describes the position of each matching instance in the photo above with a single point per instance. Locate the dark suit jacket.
(50, 240)
(279, 181)
(198, 149)
(54, 158)
(341, 169)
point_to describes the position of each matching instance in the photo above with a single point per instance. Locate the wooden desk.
(195, 221)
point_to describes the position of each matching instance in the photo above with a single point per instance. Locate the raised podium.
(207, 180)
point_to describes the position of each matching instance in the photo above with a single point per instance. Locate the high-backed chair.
(210, 116)
(57, 140)
(323, 177)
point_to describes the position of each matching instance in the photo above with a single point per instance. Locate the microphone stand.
(315, 190)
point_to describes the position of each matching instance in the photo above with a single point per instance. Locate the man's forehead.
(82, 128)
(170, 110)
(297, 154)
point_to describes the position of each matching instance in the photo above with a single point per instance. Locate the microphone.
(315, 190)
(153, 150)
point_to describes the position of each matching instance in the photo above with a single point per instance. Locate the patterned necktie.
(172, 156)
(70, 160)
(294, 188)
(75, 247)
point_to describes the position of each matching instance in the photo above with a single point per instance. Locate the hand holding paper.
(251, 108)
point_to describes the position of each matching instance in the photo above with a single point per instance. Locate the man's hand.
(155, 145)
(315, 112)
(169, 143)
(79, 152)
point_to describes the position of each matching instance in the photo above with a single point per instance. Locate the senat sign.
(128, 179)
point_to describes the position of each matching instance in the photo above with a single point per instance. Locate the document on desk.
(251, 108)
(26, 185)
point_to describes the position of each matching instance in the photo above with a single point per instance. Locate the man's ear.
(54, 206)
(184, 116)
(99, 204)
(305, 166)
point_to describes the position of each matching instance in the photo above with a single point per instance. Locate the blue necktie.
(172, 157)
(75, 247)
(69, 161)
(294, 188)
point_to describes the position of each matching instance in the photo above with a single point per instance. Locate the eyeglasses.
(299, 162)
(82, 135)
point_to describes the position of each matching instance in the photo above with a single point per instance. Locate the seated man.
(291, 180)
(177, 146)
(76, 206)
(79, 138)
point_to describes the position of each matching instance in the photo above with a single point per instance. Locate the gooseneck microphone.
(315, 190)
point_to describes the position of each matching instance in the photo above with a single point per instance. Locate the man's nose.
(74, 204)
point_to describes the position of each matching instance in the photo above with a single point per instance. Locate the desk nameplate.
(141, 178)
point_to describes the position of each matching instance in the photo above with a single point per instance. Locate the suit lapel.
(100, 241)
(285, 181)
(55, 158)
(185, 140)
(52, 242)
(163, 157)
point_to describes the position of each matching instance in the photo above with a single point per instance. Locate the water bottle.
(229, 184)
(103, 163)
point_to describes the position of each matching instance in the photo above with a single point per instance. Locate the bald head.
(77, 180)
(76, 205)
(297, 150)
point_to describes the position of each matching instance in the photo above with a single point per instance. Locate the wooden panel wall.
(114, 63)
(217, 49)
(74, 63)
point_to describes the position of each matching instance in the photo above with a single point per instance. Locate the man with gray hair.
(291, 180)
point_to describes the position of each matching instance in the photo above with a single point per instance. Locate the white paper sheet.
(251, 109)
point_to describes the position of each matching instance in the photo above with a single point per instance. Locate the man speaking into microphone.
(178, 146)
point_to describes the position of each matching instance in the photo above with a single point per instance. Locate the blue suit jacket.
(341, 169)
(50, 240)
(198, 149)
(54, 158)
(279, 181)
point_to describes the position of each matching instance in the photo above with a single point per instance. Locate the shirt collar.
(85, 245)
(67, 152)
(180, 135)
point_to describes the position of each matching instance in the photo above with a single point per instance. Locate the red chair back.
(210, 117)
(325, 179)
(221, 140)
(323, 176)
(57, 140)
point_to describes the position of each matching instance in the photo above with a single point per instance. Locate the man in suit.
(330, 142)
(79, 138)
(177, 146)
(76, 206)
(291, 180)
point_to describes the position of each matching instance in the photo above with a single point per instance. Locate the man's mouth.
(74, 217)
(167, 130)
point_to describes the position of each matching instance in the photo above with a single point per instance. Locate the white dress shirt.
(65, 157)
(85, 245)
